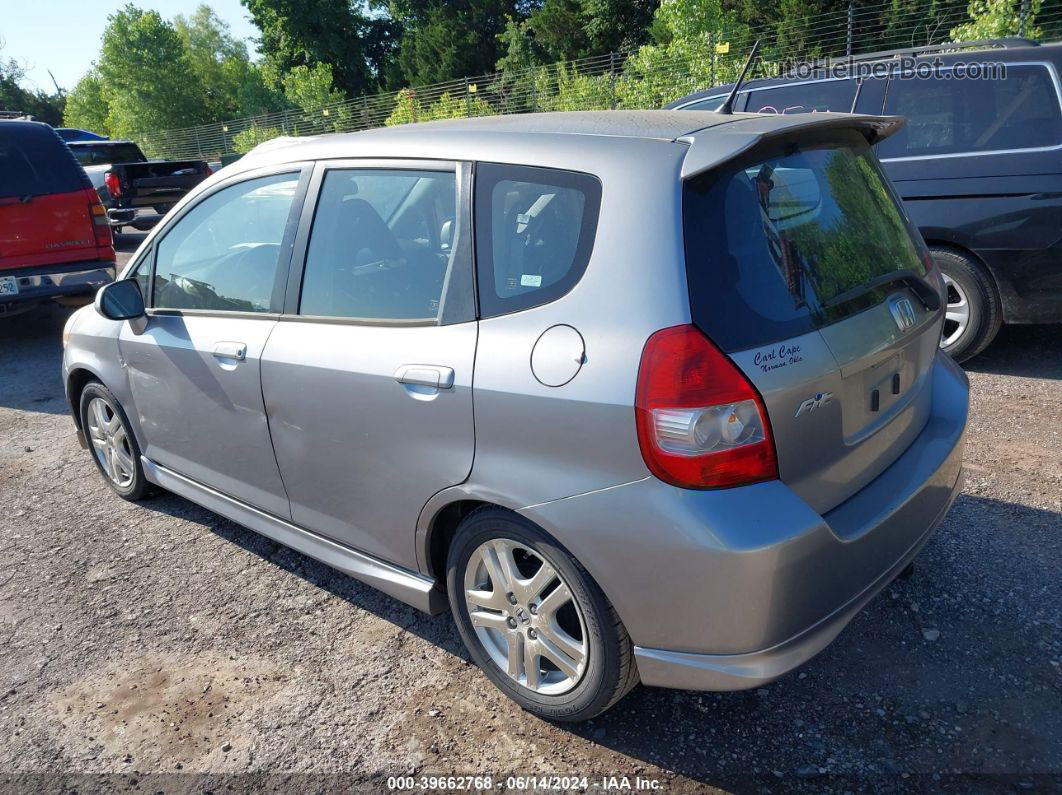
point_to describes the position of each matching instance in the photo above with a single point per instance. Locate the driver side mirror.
(120, 300)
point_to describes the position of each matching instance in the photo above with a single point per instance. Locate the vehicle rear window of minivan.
(784, 241)
(948, 116)
(535, 229)
(34, 161)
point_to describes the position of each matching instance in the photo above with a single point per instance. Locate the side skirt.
(410, 587)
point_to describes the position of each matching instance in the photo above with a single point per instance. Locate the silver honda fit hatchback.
(638, 396)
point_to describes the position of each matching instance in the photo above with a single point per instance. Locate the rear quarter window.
(535, 230)
(34, 161)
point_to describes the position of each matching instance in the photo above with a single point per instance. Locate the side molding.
(410, 587)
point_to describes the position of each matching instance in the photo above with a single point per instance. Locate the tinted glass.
(712, 103)
(946, 116)
(223, 254)
(818, 97)
(785, 242)
(34, 161)
(535, 230)
(380, 245)
(104, 154)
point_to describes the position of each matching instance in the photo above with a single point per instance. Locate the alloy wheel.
(956, 313)
(525, 617)
(110, 443)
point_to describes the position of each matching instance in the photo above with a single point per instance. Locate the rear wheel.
(113, 446)
(973, 313)
(534, 621)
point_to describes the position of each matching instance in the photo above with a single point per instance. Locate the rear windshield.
(785, 242)
(34, 161)
(105, 154)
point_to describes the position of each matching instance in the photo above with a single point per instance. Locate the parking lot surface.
(161, 640)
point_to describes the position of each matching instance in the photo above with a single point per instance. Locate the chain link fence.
(642, 79)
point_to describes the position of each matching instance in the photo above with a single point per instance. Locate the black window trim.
(461, 258)
(302, 169)
(484, 253)
(1052, 73)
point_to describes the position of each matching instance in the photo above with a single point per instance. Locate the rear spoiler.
(722, 142)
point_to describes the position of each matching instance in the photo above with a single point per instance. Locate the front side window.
(380, 245)
(223, 254)
(535, 230)
(949, 116)
(784, 242)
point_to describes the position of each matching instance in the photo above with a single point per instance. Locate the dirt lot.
(160, 647)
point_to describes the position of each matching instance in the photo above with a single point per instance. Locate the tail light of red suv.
(101, 226)
(701, 423)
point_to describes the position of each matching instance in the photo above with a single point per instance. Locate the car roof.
(562, 139)
(1050, 52)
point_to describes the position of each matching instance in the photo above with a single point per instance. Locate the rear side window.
(948, 116)
(34, 161)
(784, 242)
(381, 245)
(535, 230)
(818, 97)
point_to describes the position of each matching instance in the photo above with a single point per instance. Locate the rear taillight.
(210, 171)
(110, 179)
(101, 226)
(701, 424)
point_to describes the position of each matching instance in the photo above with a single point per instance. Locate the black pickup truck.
(128, 182)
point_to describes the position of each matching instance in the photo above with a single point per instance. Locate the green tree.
(457, 38)
(342, 33)
(86, 108)
(310, 87)
(15, 96)
(993, 19)
(146, 74)
(218, 59)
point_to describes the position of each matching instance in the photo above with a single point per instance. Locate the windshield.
(105, 154)
(780, 245)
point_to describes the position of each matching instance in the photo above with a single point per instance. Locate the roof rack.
(930, 49)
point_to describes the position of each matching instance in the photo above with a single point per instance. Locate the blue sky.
(64, 35)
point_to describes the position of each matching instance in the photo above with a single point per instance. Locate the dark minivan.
(979, 166)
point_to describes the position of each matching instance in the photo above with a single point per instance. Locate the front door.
(195, 371)
(368, 376)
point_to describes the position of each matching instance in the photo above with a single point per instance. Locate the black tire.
(138, 488)
(971, 281)
(610, 669)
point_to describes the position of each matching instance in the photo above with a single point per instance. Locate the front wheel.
(113, 446)
(973, 313)
(534, 621)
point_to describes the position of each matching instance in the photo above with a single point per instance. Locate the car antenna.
(728, 104)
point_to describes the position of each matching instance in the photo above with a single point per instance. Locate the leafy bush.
(243, 142)
(408, 108)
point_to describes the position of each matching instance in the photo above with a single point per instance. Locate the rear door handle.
(429, 375)
(230, 350)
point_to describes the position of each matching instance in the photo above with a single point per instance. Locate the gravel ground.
(160, 647)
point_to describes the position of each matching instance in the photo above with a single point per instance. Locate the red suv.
(55, 241)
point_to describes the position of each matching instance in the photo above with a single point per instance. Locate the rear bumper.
(729, 589)
(53, 281)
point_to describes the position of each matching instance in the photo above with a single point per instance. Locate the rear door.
(368, 375)
(804, 268)
(44, 200)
